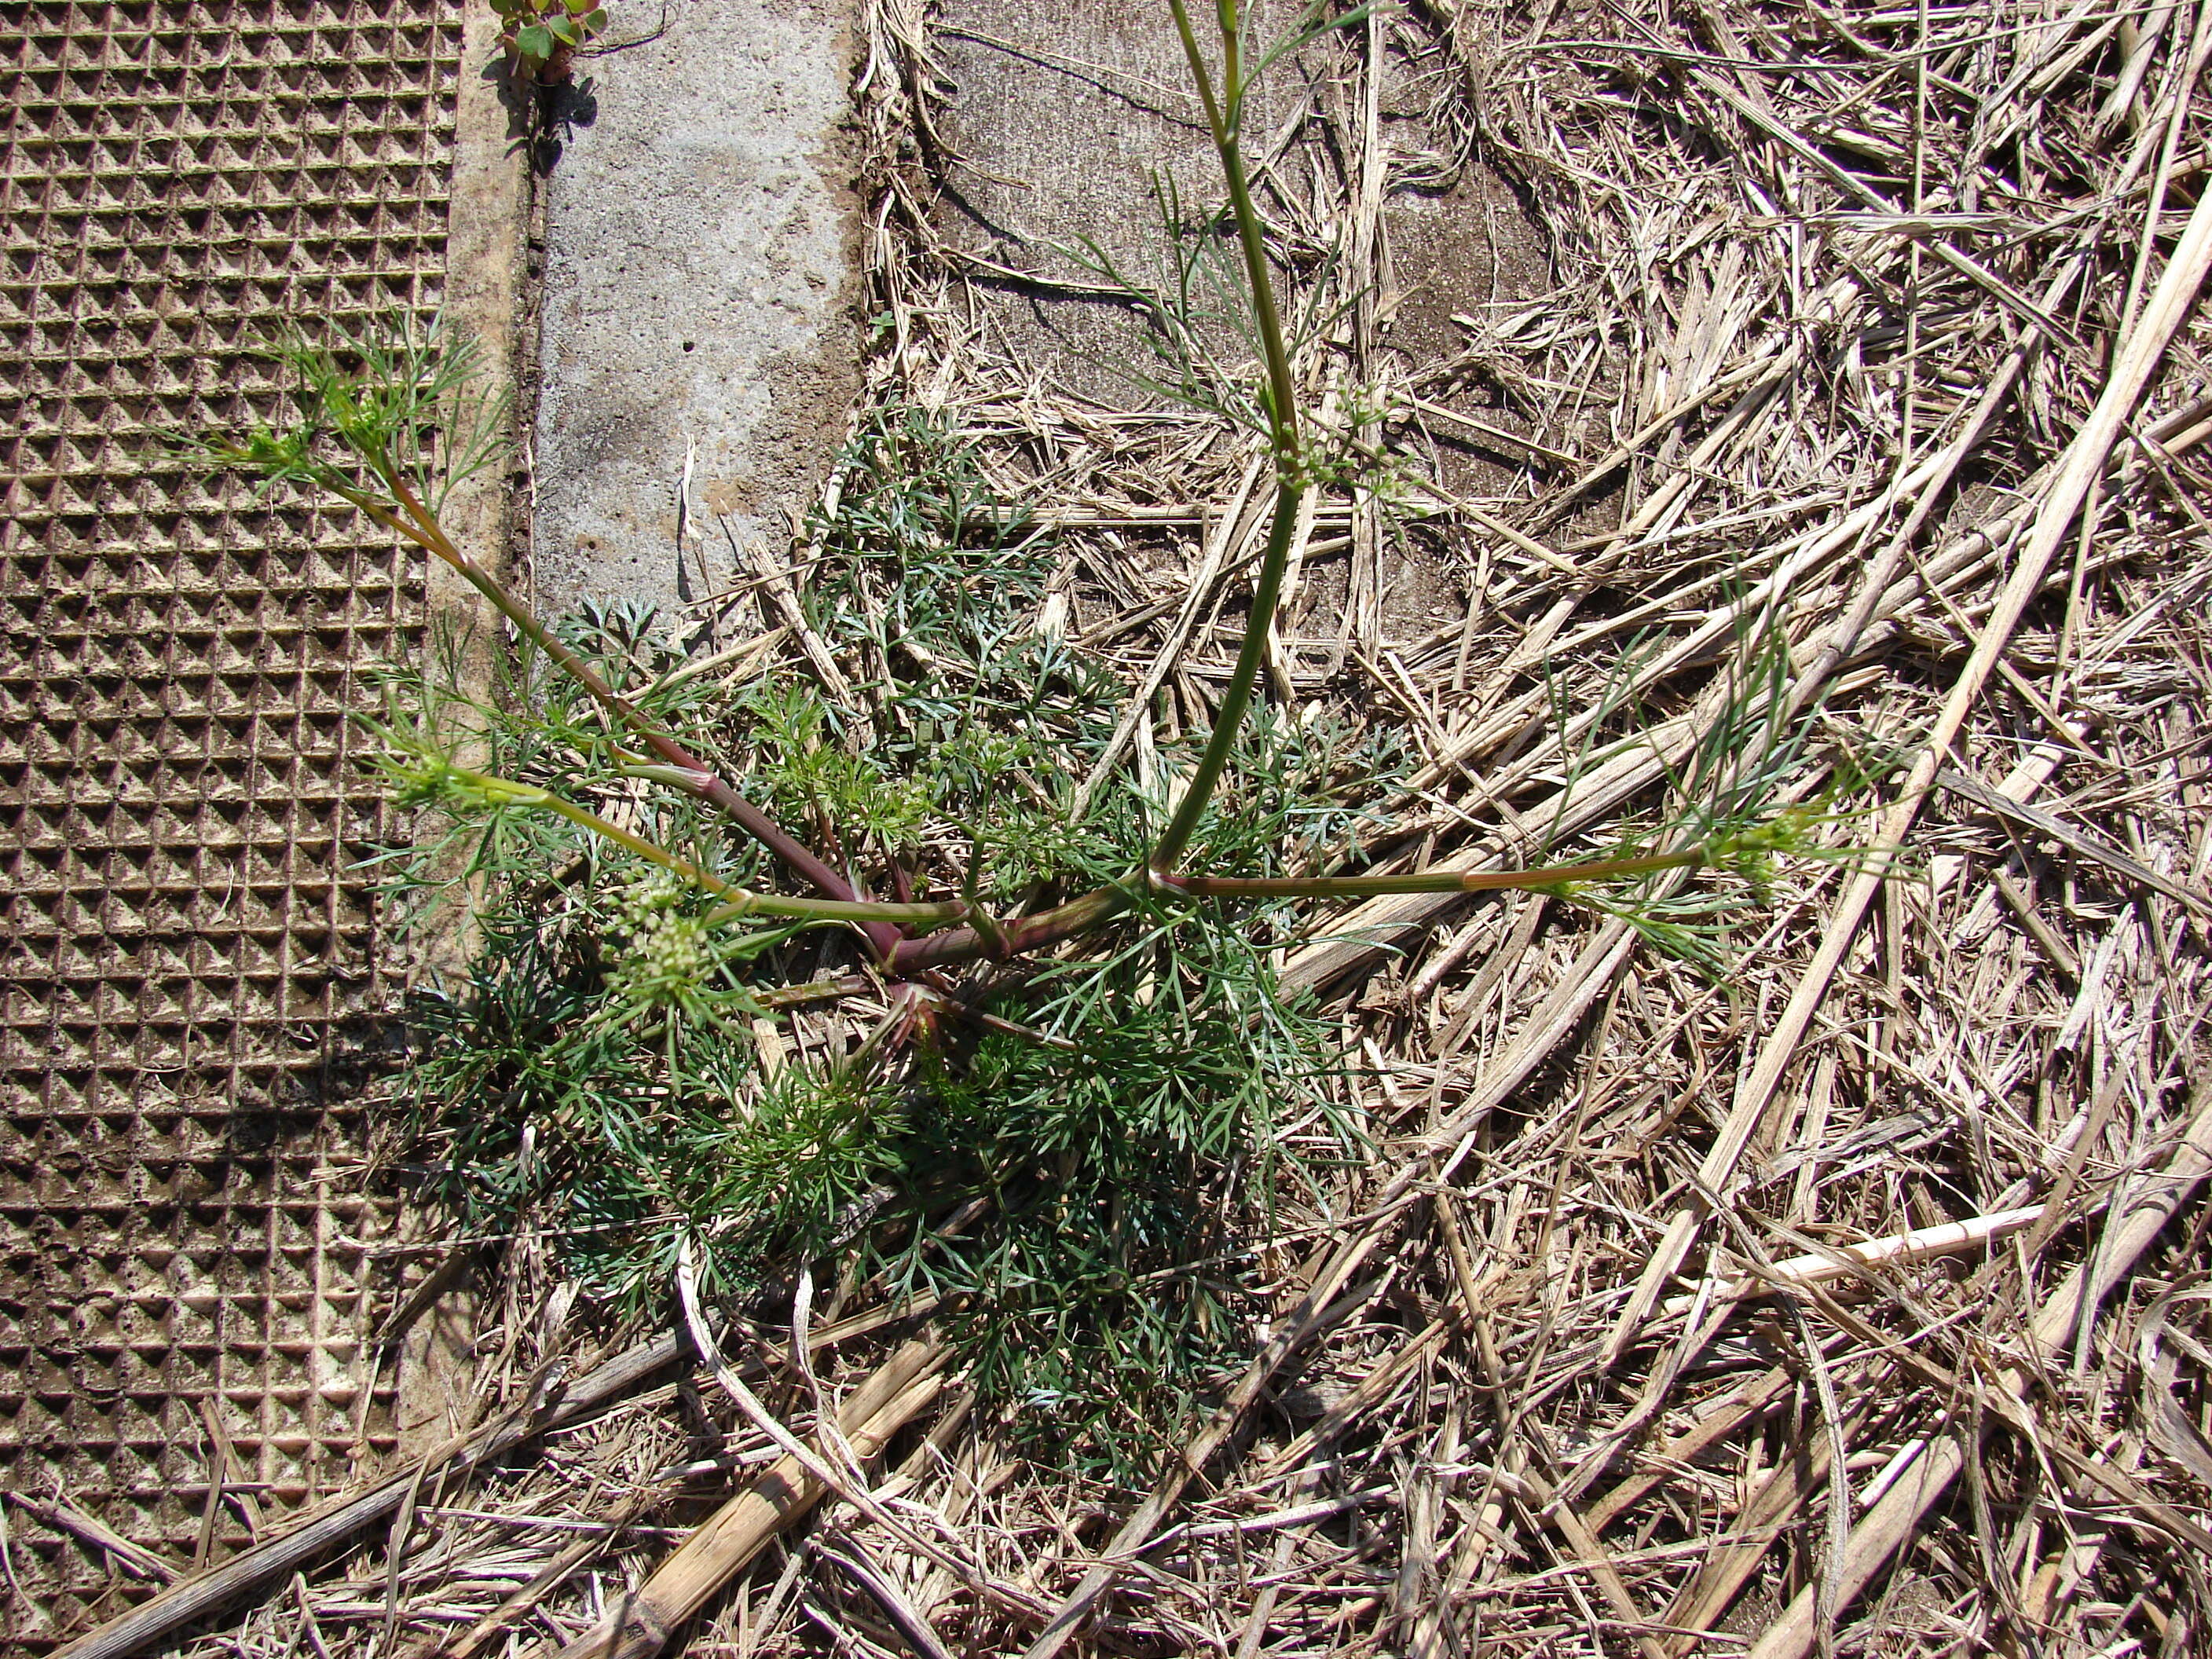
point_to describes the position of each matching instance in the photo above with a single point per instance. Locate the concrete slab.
(1066, 114)
(699, 285)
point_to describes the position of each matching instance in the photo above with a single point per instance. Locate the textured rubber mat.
(190, 976)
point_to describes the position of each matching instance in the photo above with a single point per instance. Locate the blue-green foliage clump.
(1077, 1166)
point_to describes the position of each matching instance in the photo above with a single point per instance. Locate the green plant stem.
(1437, 881)
(1080, 916)
(1224, 120)
(1223, 117)
(1237, 695)
(737, 901)
(425, 532)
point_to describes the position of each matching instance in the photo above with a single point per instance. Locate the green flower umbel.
(667, 953)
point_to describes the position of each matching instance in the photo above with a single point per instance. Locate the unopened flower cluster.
(667, 952)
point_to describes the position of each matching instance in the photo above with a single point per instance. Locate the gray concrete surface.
(1065, 115)
(698, 296)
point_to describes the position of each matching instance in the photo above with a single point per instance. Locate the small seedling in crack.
(542, 37)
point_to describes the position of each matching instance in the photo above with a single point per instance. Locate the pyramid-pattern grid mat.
(188, 980)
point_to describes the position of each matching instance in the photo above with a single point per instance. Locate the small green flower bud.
(668, 953)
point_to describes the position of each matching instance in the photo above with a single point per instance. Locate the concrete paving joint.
(695, 346)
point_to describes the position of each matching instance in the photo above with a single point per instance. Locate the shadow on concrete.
(542, 120)
(560, 111)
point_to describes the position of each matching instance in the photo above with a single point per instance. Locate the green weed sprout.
(541, 37)
(1048, 1143)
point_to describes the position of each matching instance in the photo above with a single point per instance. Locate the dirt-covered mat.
(1776, 426)
(190, 977)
